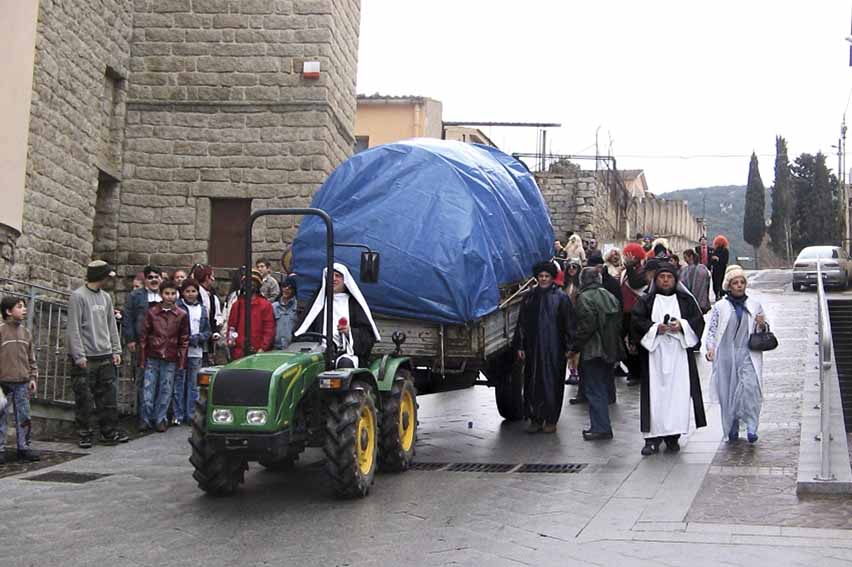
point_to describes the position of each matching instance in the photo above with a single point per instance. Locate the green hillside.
(724, 206)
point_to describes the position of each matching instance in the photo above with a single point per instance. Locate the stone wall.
(596, 206)
(76, 44)
(218, 109)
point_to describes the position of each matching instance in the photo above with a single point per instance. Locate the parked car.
(836, 267)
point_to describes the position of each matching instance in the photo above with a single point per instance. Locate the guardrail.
(825, 375)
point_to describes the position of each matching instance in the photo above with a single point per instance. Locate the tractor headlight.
(256, 417)
(224, 416)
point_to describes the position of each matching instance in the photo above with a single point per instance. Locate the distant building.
(383, 119)
(634, 182)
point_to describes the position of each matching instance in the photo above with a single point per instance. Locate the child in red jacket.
(164, 342)
(262, 322)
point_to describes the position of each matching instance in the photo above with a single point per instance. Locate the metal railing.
(47, 314)
(825, 375)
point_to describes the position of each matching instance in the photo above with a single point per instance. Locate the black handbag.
(763, 340)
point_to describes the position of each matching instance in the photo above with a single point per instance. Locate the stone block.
(165, 6)
(264, 176)
(176, 215)
(312, 7)
(257, 6)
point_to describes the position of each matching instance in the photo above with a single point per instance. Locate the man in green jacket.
(599, 343)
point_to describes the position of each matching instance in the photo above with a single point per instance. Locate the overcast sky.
(661, 79)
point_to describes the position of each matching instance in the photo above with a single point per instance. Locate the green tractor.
(268, 407)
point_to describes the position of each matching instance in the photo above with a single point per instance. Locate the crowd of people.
(639, 312)
(593, 315)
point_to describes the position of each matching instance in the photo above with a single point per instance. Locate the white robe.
(668, 370)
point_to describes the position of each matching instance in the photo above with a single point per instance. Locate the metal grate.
(560, 468)
(66, 477)
(481, 467)
(551, 468)
(428, 466)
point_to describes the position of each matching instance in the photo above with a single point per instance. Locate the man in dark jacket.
(543, 337)
(600, 346)
(135, 307)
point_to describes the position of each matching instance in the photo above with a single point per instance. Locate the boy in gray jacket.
(95, 351)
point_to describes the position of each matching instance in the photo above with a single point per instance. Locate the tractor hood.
(249, 381)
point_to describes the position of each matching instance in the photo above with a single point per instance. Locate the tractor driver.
(355, 331)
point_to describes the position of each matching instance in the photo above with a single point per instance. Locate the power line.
(693, 156)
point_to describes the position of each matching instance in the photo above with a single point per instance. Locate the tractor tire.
(399, 424)
(797, 287)
(351, 442)
(509, 393)
(216, 474)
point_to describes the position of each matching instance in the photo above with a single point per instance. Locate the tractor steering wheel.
(319, 337)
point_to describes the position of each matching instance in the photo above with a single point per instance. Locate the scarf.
(739, 305)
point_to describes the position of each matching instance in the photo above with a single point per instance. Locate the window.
(228, 219)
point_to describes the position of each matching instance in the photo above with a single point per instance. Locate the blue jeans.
(186, 390)
(18, 396)
(596, 375)
(159, 375)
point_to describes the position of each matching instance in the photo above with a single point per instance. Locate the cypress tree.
(782, 201)
(754, 220)
(823, 212)
(802, 219)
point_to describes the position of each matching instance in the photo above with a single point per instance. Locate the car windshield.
(813, 253)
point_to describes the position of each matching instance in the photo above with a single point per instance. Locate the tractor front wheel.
(215, 473)
(351, 442)
(399, 424)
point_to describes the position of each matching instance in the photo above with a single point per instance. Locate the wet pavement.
(711, 504)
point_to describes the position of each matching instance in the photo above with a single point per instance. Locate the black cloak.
(640, 322)
(545, 332)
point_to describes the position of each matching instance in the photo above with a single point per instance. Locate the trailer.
(458, 227)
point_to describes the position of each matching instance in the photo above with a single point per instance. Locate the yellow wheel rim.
(365, 442)
(407, 421)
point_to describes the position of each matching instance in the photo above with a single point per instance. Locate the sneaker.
(533, 427)
(549, 428)
(161, 427)
(28, 455)
(176, 421)
(115, 436)
(734, 433)
(2, 457)
(672, 446)
(752, 437)
(85, 441)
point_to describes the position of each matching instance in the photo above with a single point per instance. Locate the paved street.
(711, 504)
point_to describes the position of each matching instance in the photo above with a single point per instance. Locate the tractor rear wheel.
(351, 442)
(215, 473)
(399, 424)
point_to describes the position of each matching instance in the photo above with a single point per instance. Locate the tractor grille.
(236, 387)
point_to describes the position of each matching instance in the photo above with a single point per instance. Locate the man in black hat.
(543, 338)
(667, 324)
(95, 350)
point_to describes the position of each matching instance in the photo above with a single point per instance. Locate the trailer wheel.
(509, 392)
(399, 424)
(351, 442)
(215, 473)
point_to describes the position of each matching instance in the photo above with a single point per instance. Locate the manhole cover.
(551, 468)
(66, 477)
(480, 467)
(427, 466)
(48, 459)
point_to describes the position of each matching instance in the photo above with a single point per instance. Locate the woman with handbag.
(737, 375)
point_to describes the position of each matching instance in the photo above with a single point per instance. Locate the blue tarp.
(451, 221)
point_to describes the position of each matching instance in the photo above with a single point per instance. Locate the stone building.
(600, 205)
(147, 130)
